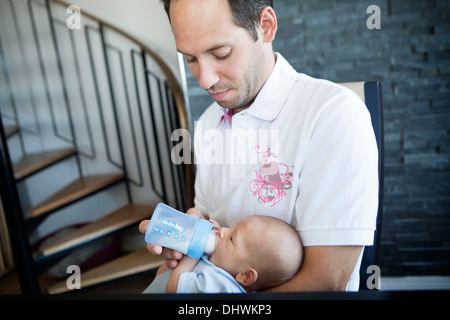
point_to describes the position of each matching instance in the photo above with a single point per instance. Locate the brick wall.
(410, 55)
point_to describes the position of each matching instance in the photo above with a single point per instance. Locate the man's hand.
(171, 256)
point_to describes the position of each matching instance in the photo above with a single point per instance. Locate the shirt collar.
(227, 115)
(270, 100)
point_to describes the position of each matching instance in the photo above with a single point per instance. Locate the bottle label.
(172, 225)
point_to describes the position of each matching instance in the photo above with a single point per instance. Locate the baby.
(258, 253)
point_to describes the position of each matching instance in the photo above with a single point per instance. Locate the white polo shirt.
(304, 152)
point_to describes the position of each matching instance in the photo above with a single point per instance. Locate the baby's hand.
(186, 264)
(216, 226)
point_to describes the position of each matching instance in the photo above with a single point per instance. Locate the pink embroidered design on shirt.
(272, 179)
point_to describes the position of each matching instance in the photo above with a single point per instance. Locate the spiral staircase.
(86, 123)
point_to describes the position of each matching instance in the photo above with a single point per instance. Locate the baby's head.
(260, 252)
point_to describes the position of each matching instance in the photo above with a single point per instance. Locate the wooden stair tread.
(121, 218)
(10, 130)
(34, 162)
(74, 191)
(132, 263)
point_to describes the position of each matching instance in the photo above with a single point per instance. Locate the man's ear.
(268, 24)
(247, 277)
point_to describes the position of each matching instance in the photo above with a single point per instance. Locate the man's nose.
(207, 75)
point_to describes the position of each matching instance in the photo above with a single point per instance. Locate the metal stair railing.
(96, 89)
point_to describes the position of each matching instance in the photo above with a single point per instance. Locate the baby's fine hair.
(275, 251)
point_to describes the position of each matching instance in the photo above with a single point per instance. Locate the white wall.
(146, 20)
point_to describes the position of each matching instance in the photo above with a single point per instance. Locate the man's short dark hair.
(246, 13)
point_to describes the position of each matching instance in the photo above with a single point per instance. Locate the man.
(315, 151)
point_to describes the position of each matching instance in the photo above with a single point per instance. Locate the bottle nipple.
(210, 243)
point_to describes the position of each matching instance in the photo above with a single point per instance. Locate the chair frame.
(371, 94)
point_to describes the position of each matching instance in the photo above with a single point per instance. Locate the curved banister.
(171, 80)
(172, 83)
(102, 95)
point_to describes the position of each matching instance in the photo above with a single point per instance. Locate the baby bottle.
(175, 230)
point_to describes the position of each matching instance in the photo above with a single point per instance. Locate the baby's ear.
(247, 277)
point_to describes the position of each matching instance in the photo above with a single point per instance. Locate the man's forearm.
(325, 268)
(303, 282)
